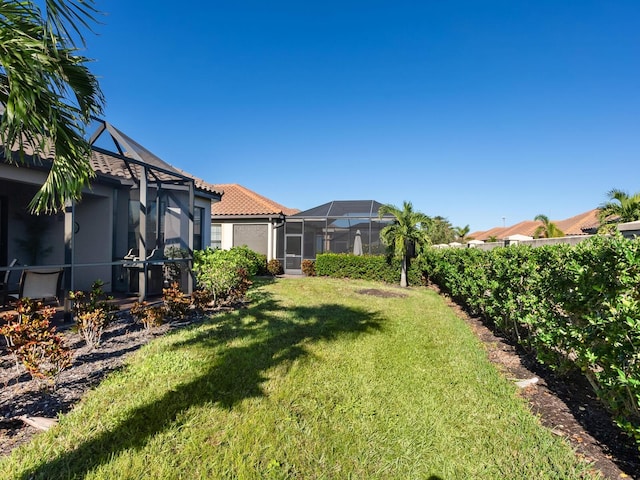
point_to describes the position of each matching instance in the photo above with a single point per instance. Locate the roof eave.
(265, 216)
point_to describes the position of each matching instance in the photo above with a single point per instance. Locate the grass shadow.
(255, 339)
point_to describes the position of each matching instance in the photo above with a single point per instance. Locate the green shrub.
(254, 263)
(225, 273)
(370, 267)
(575, 307)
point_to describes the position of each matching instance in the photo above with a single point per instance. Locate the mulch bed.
(20, 395)
(566, 406)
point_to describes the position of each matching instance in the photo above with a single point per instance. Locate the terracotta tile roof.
(111, 165)
(201, 184)
(576, 224)
(570, 226)
(114, 166)
(240, 201)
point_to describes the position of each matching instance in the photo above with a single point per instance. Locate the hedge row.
(379, 268)
(575, 307)
(369, 267)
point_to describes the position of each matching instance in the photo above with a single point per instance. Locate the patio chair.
(40, 284)
(7, 286)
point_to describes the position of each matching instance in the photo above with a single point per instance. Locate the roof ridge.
(264, 200)
(238, 196)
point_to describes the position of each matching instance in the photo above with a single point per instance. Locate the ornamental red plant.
(33, 341)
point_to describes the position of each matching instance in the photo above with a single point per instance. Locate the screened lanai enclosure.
(138, 215)
(342, 226)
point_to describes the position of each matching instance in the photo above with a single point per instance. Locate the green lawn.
(314, 380)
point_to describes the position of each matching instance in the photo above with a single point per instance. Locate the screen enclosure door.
(293, 254)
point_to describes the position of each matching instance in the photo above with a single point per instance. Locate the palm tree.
(462, 232)
(47, 93)
(406, 229)
(548, 229)
(620, 208)
(439, 230)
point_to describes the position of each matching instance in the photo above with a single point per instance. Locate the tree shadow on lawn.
(266, 334)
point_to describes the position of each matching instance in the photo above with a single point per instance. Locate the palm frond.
(48, 93)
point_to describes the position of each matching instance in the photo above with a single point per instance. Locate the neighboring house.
(630, 229)
(243, 217)
(136, 203)
(342, 226)
(580, 224)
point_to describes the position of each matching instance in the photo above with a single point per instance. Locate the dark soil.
(566, 406)
(381, 293)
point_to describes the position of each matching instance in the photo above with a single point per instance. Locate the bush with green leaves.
(371, 267)
(575, 307)
(225, 273)
(381, 268)
(254, 263)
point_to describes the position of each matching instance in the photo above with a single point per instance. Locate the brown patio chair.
(41, 284)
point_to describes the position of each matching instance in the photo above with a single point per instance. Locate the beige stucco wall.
(227, 240)
(93, 238)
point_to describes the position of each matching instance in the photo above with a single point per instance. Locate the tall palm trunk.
(403, 272)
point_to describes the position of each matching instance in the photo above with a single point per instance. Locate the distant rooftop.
(343, 208)
(576, 225)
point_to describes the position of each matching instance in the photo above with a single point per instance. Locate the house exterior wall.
(101, 224)
(237, 232)
(255, 236)
(227, 236)
(93, 242)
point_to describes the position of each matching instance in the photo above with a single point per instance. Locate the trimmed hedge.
(368, 267)
(575, 307)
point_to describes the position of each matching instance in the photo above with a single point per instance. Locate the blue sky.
(472, 110)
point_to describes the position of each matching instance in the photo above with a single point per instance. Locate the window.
(198, 213)
(253, 236)
(216, 235)
(155, 221)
